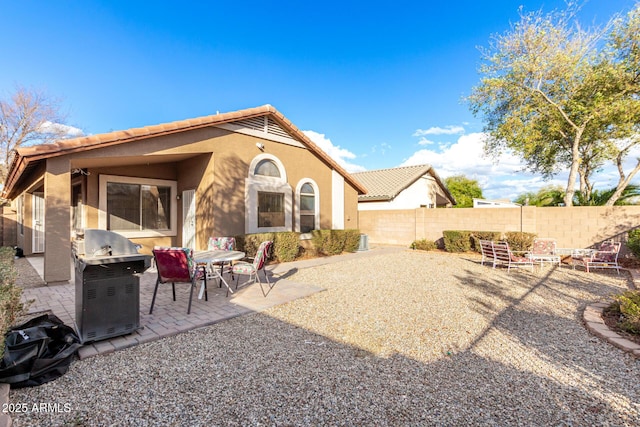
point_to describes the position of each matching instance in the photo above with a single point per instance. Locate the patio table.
(542, 258)
(216, 256)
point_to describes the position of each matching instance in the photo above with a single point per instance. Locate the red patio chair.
(176, 265)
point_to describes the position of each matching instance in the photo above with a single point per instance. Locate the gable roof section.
(385, 184)
(263, 121)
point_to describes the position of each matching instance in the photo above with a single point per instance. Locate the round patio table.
(216, 256)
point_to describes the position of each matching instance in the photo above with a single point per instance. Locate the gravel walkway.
(412, 338)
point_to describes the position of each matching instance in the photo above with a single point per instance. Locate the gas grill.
(107, 269)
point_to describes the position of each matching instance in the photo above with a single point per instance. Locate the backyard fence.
(572, 227)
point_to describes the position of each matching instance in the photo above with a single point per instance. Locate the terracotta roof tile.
(25, 155)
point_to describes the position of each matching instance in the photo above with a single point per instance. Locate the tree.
(560, 97)
(553, 195)
(550, 195)
(464, 190)
(629, 196)
(27, 117)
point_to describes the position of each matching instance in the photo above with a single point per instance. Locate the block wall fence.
(572, 227)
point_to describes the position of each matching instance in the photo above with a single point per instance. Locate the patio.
(396, 338)
(171, 318)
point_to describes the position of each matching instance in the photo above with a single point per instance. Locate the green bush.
(633, 242)
(286, 246)
(334, 242)
(424, 245)
(483, 235)
(10, 295)
(352, 240)
(249, 243)
(328, 242)
(519, 241)
(627, 305)
(457, 240)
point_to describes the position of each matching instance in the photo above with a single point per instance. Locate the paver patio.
(171, 318)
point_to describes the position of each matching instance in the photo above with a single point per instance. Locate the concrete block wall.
(573, 227)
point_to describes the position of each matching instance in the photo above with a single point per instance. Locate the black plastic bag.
(37, 351)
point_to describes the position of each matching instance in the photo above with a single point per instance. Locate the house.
(502, 203)
(406, 187)
(178, 183)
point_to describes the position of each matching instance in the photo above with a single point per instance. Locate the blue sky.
(376, 84)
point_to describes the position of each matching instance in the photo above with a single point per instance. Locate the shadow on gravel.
(258, 370)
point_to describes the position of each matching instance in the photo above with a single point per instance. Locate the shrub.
(286, 246)
(627, 305)
(483, 235)
(334, 242)
(457, 240)
(519, 241)
(633, 242)
(249, 243)
(352, 240)
(10, 295)
(424, 245)
(328, 242)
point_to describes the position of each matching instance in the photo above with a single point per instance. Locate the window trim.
(102, 204)
(261, 183)
(316, 190)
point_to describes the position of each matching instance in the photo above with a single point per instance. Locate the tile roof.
(26, 157)
(386, 184)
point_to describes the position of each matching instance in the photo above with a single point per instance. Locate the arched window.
(308, 206)
(268, 196)
(267, 167)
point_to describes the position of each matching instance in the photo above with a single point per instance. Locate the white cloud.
(425, 141)
(340, 155)
(506, 177)
(498, 179)
(58, 128)
(447, 130)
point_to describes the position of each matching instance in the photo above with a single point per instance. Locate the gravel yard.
(413, 338)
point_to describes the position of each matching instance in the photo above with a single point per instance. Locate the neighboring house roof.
(386, 184)
(27, 158)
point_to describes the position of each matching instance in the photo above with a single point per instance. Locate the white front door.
(189, 219)
(38, 222)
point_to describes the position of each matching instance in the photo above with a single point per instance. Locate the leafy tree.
(28, 117)
(464, 190)
(551, 195)
(559, 97)
(629, 196)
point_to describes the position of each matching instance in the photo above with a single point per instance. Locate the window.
(267, 167)
(307, 209)
(270, 209)
(307, 206)
(268, 196)
(137, 207)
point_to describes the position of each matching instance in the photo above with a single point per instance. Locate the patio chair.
(252, 268)
(486, 248)
(544, 249)
(505, 256)
(176, 265)
(606, 256)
